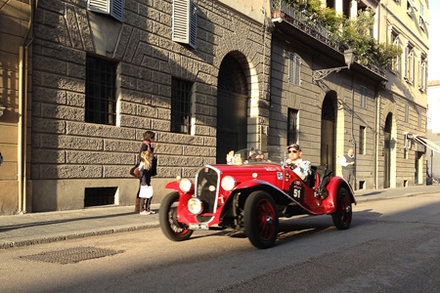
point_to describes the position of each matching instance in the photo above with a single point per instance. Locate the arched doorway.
(387, 150)
(232, 101)
(328, 131)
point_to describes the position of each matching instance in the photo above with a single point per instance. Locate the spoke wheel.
(342, 216)
(261, 219)
(169, 225)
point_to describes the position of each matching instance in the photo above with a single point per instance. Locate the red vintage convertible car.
(251, 195)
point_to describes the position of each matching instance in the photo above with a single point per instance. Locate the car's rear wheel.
(261, 219)
(343, 214)
(173, 229)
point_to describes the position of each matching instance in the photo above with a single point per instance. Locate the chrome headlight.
(195, 205)
(185, 185)
(228, 183)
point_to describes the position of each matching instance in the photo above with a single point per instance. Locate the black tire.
(261, 219)
(343, 214)
(169, 225)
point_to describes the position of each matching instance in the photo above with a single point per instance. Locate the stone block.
(70, 142)
(44, 125)
(81, 157)
(135, 121)
(70, 171)
(98, 130)
(47, 64)
(149, 111)
(118, 171)
(48, 95)
(165, 148)
(48, 156)
(75, 99)
(183, 139)
(209, 141)
(122, 146)
(160, 125)
(190, 172)
(62, 112)
(128, 108)
(196, 151)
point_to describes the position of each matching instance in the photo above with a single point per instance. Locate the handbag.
(135, 171)
(146, 191)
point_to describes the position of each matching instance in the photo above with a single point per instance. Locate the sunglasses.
(293, 152)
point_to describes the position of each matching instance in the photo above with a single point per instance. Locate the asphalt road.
(392, 246)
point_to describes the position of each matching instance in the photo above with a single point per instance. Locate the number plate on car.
(198, 226)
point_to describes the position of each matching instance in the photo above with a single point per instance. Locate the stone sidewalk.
(35, 228)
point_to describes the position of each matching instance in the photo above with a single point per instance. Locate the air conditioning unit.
(114, 8)
(185, 22)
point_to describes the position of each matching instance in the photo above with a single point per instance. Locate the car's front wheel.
(343, 214)
(261, 219)
(169, 225)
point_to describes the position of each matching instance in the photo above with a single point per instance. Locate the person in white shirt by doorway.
(348, 164)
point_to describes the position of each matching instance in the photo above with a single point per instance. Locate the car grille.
(206, 191)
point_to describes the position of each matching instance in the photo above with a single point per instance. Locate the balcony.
(315, 33)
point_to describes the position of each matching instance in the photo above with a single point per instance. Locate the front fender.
(173, 185)
(333, 188)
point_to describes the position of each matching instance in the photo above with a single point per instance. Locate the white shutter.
(114, 8)
(101, 6)
(185, 22)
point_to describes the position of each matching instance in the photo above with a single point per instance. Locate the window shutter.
(185, 22)
(117, 9)
(114, 8)
(406, 62)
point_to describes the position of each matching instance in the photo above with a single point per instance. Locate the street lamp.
(322, 73)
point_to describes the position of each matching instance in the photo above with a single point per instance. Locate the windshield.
(251, 156)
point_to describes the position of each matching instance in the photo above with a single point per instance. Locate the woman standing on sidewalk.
(146, 146)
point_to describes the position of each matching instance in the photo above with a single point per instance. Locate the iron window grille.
(181, 105)
(292, 126)
(100, 91)
(363, 102)
(294, 69)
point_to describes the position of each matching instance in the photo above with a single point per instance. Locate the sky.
(434, 41)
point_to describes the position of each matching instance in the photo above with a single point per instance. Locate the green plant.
(351, 33)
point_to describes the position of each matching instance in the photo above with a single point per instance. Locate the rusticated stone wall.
(69, 154)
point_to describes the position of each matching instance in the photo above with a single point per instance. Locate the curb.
(75, 235)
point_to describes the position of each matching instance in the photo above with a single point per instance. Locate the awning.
(427, 143)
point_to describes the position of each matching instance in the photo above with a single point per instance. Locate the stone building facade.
(378, 114)
(84, 82)
(79, 159)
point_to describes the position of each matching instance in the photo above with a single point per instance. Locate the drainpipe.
(22, 111)
(352, 129)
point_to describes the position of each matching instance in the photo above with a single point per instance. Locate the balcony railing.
(313, 26)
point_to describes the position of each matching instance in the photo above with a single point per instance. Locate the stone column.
(339, 7)
(353, 8)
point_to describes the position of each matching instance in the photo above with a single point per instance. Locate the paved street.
(392, 246)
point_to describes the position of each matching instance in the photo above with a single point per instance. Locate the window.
(181, 92)
(363, 97)
(410, 7)
(406, 118)
(423, 70)
(396, 62)
(114, 8)
(294, 69)
(100, 102)
(362, 141)
(422, 20)
(409, 63)
(292, 126)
